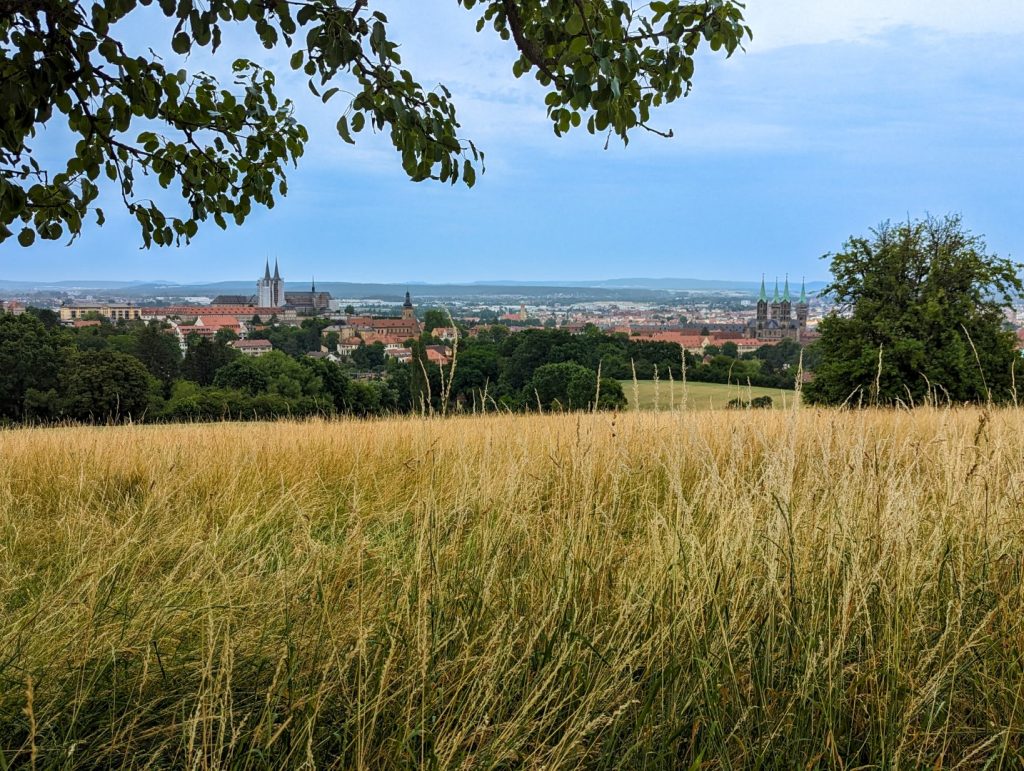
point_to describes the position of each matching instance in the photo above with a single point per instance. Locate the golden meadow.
(768, 589)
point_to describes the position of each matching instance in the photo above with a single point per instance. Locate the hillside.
(770, 589)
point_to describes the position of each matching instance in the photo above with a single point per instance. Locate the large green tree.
(98, 386)
(31, 358)
(571, 386)
(604, 64)
(203, 358)
(920, 316)
(159, 353)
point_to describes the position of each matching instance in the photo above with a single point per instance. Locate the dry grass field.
(767, 589)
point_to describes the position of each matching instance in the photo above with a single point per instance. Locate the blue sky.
(838, 116)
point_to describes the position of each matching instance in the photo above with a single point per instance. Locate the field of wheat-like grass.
(774, 589)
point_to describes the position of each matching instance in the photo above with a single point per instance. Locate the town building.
(391, 332)
(445, 333)
(252, 347)
(112, 311)
(780, 319)
(309, 302)
(247, 312)
(207, 326)
(406, 326)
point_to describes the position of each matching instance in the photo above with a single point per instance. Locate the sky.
(839, 115)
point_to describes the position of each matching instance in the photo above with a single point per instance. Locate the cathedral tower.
(762, 306)
(802, 308)
(786, 306)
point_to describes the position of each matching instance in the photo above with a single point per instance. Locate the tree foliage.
(920, 317)
(130, 369)
(101, 386)
(31, 357)
(571, 386)
(605, 64)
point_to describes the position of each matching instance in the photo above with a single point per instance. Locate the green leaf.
(26, 237)
(343, 130)
(575, 24)
(181, 43)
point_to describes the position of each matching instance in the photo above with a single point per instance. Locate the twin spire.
(277, 273)
(266, 271)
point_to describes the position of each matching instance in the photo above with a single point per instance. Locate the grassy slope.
(656, 590)
(699, 396)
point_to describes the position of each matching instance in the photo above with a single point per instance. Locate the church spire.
(408, 301)
(277, 271)
(266, 271)
(775, 297)
(763, 297)
(313, 287)
(803, 292)
(785, 294)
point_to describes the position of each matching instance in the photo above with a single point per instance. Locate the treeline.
(132, 370)
(553, 369)
(506, 365)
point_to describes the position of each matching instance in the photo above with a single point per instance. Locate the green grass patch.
(698, 396)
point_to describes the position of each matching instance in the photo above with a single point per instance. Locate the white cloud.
(780, 23)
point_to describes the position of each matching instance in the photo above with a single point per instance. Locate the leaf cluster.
(226, 149)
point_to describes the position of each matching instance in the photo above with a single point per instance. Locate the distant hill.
(663, 284)
(622, 289)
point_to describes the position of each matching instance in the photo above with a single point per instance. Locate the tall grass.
(791, 589)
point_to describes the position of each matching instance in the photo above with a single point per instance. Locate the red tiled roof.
(216, 321)
(251, 344)
(244, 311)
(686, 341)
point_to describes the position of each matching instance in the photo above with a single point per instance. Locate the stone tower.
(407, 310)
(265, 289)
(802, 308)
(762, 306)
(786, 306)
(278, 293)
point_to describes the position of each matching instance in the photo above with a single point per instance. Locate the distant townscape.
(693, 320)
(276, 351)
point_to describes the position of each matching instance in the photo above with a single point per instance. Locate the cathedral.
(270, 294)
(781, 318)
(270, 291)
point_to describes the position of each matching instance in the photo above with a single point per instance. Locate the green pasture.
(698, 396)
